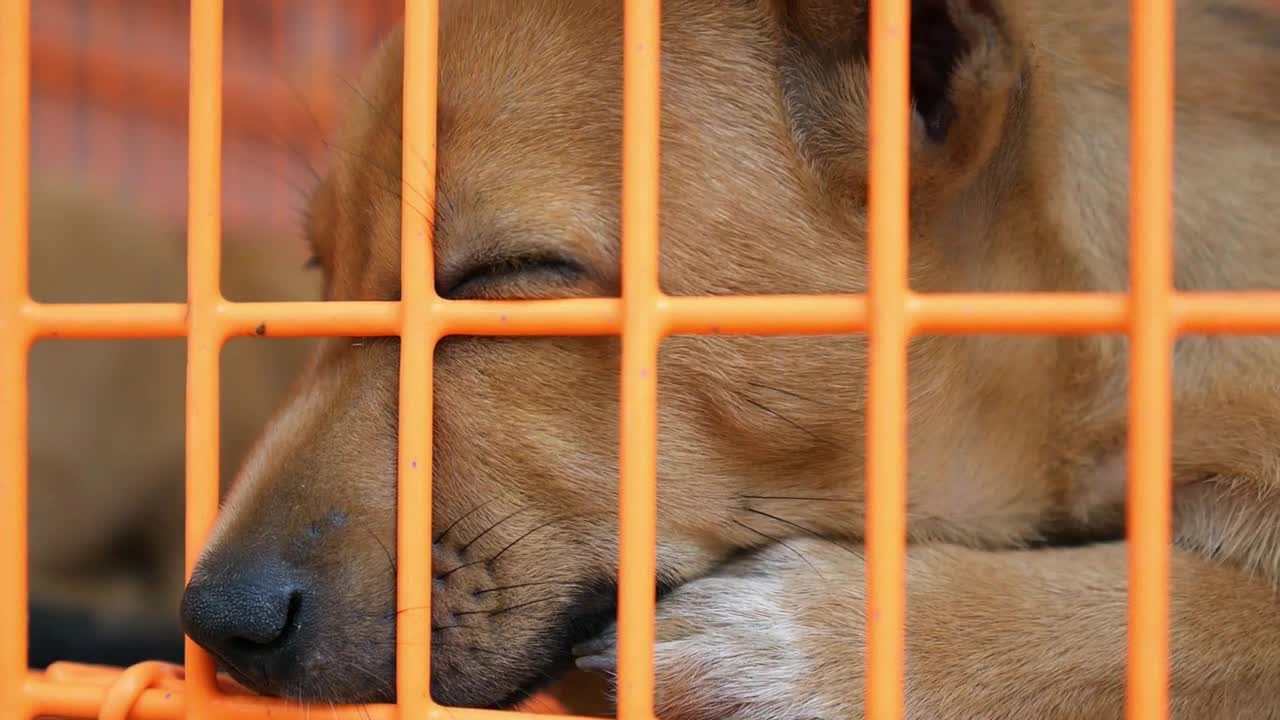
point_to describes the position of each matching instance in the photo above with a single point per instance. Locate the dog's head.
(764, 154)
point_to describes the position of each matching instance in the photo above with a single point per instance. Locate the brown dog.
(1019, 183)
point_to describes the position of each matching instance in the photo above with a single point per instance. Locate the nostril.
(270, 632)
(291, 617)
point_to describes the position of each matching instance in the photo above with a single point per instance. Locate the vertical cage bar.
(15, 339)
(1150, 403)
(417, 339)
(887, 337)
(637, 490)
(204, 340)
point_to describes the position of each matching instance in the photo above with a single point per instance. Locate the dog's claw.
(598, 663)
(598, 655)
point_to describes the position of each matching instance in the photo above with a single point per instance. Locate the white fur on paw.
(727, 648)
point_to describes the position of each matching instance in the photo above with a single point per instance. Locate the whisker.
(453, 570)
(381, 112)
(302, 193)
(517, 606)
(789, 393)
(786, 419)
(801, 498)
(500, 588)
(803, 529)
(377, 109)
(321, 132)
(390, 121)
(772, 539)
(391, 561)
(465, 515)
(536, 529)
(372, 676)
(392, 177)
(491, 527)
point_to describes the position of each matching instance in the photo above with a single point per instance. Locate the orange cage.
(1152, 314)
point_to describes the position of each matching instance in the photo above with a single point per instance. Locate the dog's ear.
(965, 63)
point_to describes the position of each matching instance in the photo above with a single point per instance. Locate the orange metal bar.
(106, 320)
(204, 337)
(579, 316)
(418, 336)
(637, 490)
(302, 319)
(82, 699)
(15, 158)
(959, 313)
(763, 315)
(1150, 402)
(1023, 313)
(887, 337)
(1240, 313)
(151, 320)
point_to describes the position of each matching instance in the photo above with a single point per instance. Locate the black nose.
(245, 613)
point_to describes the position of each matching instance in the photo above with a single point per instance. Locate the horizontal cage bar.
(1218, 313)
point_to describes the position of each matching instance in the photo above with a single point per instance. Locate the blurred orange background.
(109, 105)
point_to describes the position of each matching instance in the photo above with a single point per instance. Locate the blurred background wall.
(110, 88)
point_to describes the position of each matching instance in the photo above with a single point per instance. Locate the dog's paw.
(729, 647)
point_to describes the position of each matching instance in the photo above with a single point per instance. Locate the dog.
(1019, 166)
(107, 432)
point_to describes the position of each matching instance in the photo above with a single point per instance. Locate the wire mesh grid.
(890, 313)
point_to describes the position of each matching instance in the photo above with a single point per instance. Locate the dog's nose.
(245, 614)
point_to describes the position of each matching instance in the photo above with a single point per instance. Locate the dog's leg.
(1233, 520)
(1018, 634)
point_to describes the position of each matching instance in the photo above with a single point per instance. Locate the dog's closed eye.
(478, 278)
